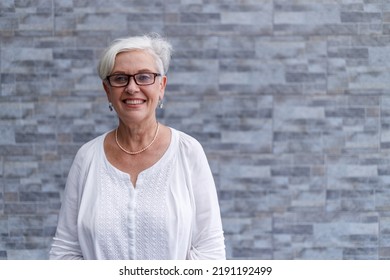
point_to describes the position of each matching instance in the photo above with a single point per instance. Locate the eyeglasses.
(141, 79)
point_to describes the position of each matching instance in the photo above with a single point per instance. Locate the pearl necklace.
(143, 149)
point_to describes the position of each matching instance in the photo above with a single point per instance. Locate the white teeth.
(134, 102)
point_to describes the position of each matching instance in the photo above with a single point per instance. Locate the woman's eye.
(120, 78)
(144, 77)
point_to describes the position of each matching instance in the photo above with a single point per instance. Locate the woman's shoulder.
(85, 157)
(187, 143)
(90, 148)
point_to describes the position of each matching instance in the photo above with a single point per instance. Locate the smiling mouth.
(134, 101)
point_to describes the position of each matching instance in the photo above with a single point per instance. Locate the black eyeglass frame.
(135, 80)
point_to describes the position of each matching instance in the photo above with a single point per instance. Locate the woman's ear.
(107, 89)
(163, 84)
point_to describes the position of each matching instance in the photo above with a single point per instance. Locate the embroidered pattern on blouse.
(114, 234)
(151, 214)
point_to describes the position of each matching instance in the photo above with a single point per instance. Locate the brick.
(17, 169)
(360, 17)
(7, 135)
(95, 22)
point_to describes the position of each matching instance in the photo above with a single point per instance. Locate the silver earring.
(110, 106)
(161, 104)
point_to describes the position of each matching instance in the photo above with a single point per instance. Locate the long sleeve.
(207, 236)
(65, 243)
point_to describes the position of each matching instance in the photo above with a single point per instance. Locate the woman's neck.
(136, 136)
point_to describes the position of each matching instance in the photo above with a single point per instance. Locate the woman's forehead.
(134, 59)
(135, 55)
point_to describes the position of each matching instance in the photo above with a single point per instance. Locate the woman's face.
(134, 103)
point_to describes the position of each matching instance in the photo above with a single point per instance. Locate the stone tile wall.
(290, 100)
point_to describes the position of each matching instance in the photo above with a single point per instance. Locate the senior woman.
(143, 190)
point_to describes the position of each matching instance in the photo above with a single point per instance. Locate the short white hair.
(157, 46)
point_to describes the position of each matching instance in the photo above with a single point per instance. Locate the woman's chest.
(139, 221)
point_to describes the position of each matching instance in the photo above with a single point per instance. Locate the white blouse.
(173, 212)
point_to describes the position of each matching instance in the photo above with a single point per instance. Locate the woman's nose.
(132, 86)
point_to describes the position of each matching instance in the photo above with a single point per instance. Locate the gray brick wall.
(290, 100)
